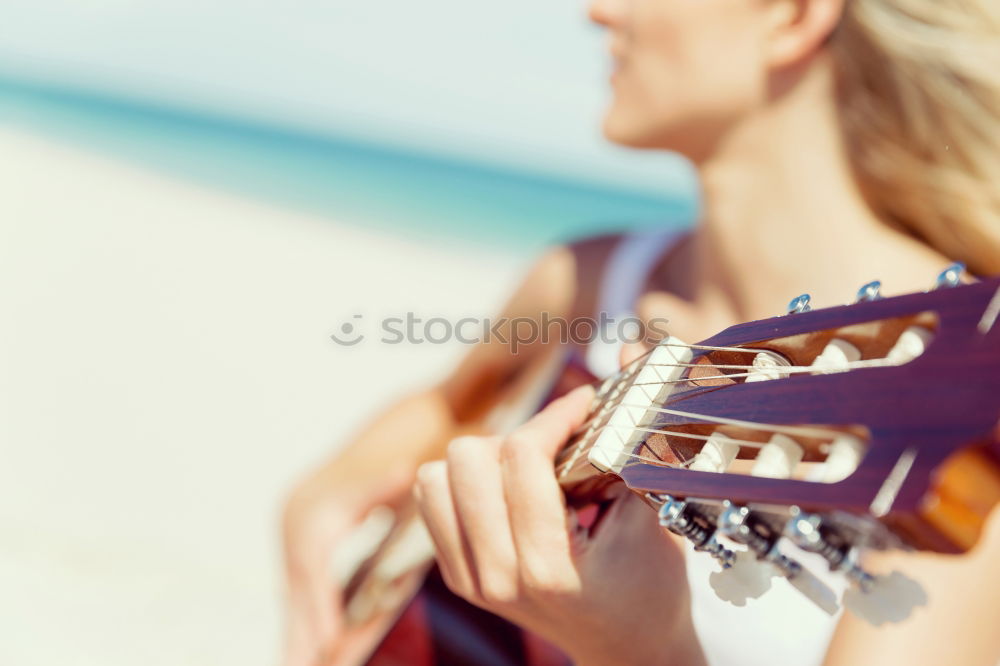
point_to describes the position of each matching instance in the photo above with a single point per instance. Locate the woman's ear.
(799, 28)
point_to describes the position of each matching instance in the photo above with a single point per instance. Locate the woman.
(837, 141)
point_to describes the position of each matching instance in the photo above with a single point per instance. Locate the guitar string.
(653, 461)
(687, 435)
(627, 368)
(791, 370)
(813, 433)
(851, 365)
(684, 345)
(693, 380)
(664, 343)
(598, 413)
(800, 431)
(565, 466)
(631, 366)
(598, 383)
(594, 444)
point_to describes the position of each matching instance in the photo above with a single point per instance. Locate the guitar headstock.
(867, 426)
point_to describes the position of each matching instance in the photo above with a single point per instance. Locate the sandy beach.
(168, 372)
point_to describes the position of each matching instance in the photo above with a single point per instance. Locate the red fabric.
(409, 641)
(539, 652)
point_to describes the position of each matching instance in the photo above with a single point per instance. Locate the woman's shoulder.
(595, 242)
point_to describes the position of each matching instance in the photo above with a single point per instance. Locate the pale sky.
(520, 82)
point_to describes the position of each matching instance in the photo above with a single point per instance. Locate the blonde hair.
(919, 87)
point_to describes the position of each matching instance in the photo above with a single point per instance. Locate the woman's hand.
(505, 542)
(319, 514)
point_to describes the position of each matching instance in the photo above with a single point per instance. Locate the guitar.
(870, 426)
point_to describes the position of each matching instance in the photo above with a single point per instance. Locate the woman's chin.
(625, 133)
(694, 141)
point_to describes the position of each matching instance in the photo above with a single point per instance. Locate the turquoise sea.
(399, 191)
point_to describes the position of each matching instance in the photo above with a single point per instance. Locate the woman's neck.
(783, 214)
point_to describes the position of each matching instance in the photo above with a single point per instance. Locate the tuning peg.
(742, 576)
(675, 516)
(737, 523)
(869, 292)
(716, 455)
(778, 458)
(843, 458)
(837, 356)
(800, 304)
(911, 343)
(950, 277)
(805, 530)
(876, 599)
(767, 365)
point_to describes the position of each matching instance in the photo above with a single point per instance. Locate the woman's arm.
(959, 625)
(339, 494)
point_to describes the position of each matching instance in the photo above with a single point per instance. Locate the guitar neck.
(583, 483)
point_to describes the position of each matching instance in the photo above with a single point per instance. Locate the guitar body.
(438, 628)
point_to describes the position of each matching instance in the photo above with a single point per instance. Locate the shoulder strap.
(628, 268)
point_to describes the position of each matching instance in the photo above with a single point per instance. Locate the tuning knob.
(746, 578)
(675, 516)
(805, 530)
(950, 277)
(869, 292)
(876, 599)
(885, 599)
(716, 455)
(911, 344)
(778, 458)
(800, 304)
(837, 356)
(737, 523)
(742, 576)
(767, 365)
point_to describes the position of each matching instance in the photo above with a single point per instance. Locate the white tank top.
(625, 274)
(780, 628)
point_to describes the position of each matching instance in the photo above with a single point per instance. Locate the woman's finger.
(433, 494)
(534, 499)
(478, 494)
(631, 352)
